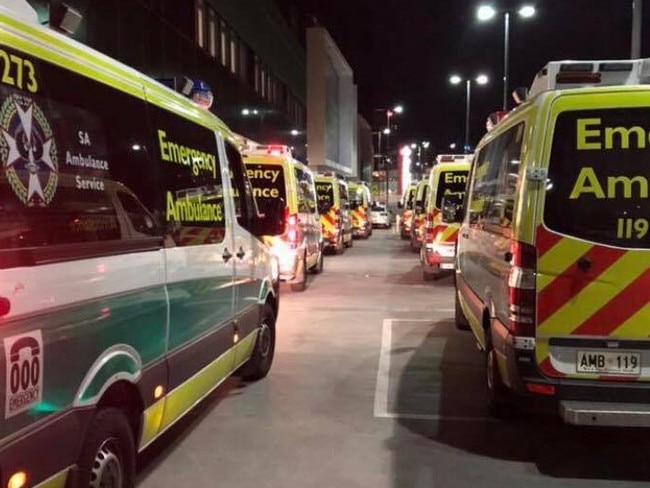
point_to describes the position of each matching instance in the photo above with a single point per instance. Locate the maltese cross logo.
(28, 151)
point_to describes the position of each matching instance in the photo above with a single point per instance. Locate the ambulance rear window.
(451, 183)
(267, 181)
(325, 196)
(597, 187)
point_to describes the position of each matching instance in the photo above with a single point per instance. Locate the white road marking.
(382, 387)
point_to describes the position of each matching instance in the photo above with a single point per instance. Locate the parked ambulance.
(133, 279)
(334, 210)
(277, 176)
(553, 260)
(360, 203)
(447, 180)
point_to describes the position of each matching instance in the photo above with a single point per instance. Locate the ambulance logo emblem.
(28, 151)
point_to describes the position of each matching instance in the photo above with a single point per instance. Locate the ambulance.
(334, 209)
(447, 180)
(276, 175)
(406, 206)
(421, 196)
(133, 277)
(360, 203)
(553, 258)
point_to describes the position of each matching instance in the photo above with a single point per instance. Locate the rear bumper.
(433, 262)
(605, 413)
(580, 402)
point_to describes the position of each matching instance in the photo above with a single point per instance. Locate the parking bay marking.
(382, 388)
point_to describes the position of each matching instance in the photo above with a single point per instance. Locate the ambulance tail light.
(429, 233)
(293, 229)
(521, 289)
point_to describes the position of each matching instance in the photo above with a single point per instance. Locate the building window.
(200, 23)
(234, 53)
(223, 31)
(212, 32)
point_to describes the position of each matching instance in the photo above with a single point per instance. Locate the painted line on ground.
(382, 386)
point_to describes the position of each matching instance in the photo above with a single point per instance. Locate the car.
(379, 215)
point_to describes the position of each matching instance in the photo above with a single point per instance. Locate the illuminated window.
(212, 32)
(200, 23)
(234, 53)
(223, 30)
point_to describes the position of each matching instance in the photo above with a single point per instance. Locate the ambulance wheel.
(108, 455)
(259, 364)
(340, 247)
(496, 392)
(459, 316)
(302, 284)
(318, 267)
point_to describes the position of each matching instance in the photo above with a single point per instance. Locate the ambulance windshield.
(267, 181)
(451, 183)
(325, 195)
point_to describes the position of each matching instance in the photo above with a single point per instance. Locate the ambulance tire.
(259, 364)
(340, 247)
(108, 454)
(497, 394)
(302, 284)
(459, 316)
(318, 267)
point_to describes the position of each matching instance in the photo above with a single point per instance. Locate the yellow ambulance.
(553, 259)
(360, 203)
(447, 180)
(276, 175)
(406, 206)
(334, 209)
(421, 196)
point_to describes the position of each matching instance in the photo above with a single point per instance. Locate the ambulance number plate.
(446, 265)
(609, 362)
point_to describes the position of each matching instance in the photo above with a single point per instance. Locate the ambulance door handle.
(5, 306)
(226, 255)
(464, 234)
(584, 264)
(241, 253)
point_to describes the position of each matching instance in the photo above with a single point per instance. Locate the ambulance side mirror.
(451, 210)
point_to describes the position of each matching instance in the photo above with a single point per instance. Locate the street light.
(487, 12)
(455, 80)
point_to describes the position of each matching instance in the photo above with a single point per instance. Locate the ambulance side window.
(495, 180)
(193, 211)
(59, 193)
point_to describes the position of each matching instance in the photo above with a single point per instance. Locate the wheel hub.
(107, 468)
(264, 339)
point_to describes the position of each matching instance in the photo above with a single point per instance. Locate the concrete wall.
(331, 107)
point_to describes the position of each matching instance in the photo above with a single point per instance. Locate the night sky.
(404, 51)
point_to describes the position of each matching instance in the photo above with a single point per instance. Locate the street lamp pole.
(455, 80)
(506, 43)
(486, 12)
(468, 92)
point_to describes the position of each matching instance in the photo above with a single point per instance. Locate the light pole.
(487, 12)
(390, 112)
(455, 80)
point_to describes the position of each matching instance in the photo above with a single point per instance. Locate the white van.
(132, 282)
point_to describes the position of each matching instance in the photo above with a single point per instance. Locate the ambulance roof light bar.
(270, 150)
(451, 158)
(557, 75)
